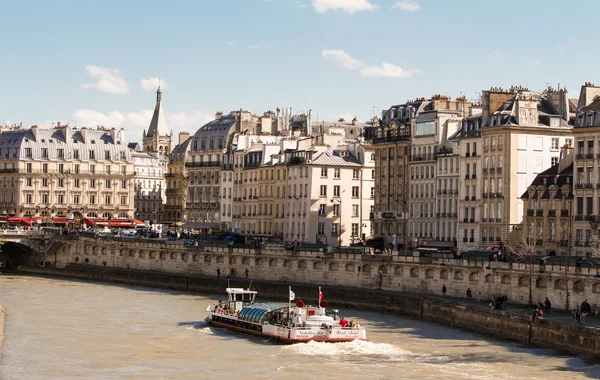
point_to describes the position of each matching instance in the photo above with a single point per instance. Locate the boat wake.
(201, 327)
(359, 350)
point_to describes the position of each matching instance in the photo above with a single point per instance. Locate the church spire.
(158, 124)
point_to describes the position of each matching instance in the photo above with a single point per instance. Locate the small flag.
(292, 295)
(320, 296)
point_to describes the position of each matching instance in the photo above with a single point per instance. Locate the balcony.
(391, 139)
(492, 170)
(484, 239)
(371, 216)
(589, 156)
(564, 243)
(468, 154)
(465, 240)
(578, 217)
(474, 154)
(485, 195)
(539, 212)
(471, 240)
(588, 185)
(551, 212)
(594, 219)
(466, 197)
(472, 220)
(466, 220)
(485, 170)
(203, 164)
(467, 176)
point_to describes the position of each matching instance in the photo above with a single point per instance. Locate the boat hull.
(289, 335)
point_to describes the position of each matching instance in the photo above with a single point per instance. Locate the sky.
(91, 63)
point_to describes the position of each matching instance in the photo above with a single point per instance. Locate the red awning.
(60, 220)
(115, 222)
(27, 221)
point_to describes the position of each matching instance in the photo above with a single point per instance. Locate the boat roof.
(240, 291)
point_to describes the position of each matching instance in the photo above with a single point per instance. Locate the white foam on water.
(357, 350)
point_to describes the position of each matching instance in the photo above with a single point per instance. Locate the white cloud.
(135, 122)
(342, 58)
(348, 6)
(151, 84)
(386, 70)
(230, 43)
(108, 80)
(407, 5)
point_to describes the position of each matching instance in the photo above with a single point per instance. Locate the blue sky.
(83, 62)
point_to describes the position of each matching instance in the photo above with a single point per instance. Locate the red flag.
(320, 296)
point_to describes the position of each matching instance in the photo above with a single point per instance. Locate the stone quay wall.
(2, 315)
(576, 339)
(565, 286)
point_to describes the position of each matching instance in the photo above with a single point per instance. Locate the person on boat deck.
(343, 322)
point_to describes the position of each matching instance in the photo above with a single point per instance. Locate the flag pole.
(289, 304)
(319, 300)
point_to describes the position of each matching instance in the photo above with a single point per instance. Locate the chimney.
(218, 115)
(122, 135)
(34, 130)
(588, 94)
(113, 135)
(566, 158)
(184, 136)
(64, 128)
(355, 121)
(84, 134)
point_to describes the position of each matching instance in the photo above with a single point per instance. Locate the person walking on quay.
(548, 306)
(585, 310)
(246, 272)
(444, 290)
(469, 294)
(577, 314)
(218, 272)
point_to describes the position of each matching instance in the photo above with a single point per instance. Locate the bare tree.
(529, 239)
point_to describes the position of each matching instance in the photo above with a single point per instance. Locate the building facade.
(63, 171)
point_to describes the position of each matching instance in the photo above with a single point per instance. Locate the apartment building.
(547, 226)
(586, 172)
(149, 199)
(63, 171)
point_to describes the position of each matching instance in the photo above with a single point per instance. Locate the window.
(76, 182)
(28, 166)
(336, 209)
(44, 152)
(45, 198)
(569, 142)
(554, 161)
(355, 192)
(336, 191)
(554, 145)
(92, 155)
(92, 183)
(107, 184)
(322, 209)
(354, 210)
(324, 172)
(323, 191)
(107, 169)
(355, 174)
(372, 192)
(354, 229)
(61, 182)
(336, 173)
(335, 229)
(107, 200)
(76, 199)
(28, 198)
(44, 182)
(124, 185)
(123, 156)
(28, 181)
(321, 229)
(45, 168)
(76, 154)
(92, 169)
(107, 155)
(92, 199)
(123, 200)
(61, 199)
(61, 168)
(28, 152)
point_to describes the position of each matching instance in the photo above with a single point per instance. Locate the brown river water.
(61, 329)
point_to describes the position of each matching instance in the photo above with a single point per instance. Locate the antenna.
(159, 79)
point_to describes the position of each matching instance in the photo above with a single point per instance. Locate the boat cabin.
(239, 298)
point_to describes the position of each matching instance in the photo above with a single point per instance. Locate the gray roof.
(333, 158)
(216, 128)
(98, 140)
(158, 124)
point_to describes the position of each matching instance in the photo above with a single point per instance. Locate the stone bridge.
(564, 285)
(27, 247)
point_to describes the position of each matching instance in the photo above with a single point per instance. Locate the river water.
(60, 329)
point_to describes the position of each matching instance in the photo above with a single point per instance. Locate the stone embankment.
(576, 339)
(1, 327)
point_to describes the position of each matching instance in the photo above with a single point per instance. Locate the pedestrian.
(469, 294)
(534, 315)
(76, 259)
(548, 306)
(585, 309)
(577, 314)
(218, 272)
(444, 290)
(246, 272)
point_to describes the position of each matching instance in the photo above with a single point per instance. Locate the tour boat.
(289, 324)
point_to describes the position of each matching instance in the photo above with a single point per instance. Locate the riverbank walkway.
(554, 315)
